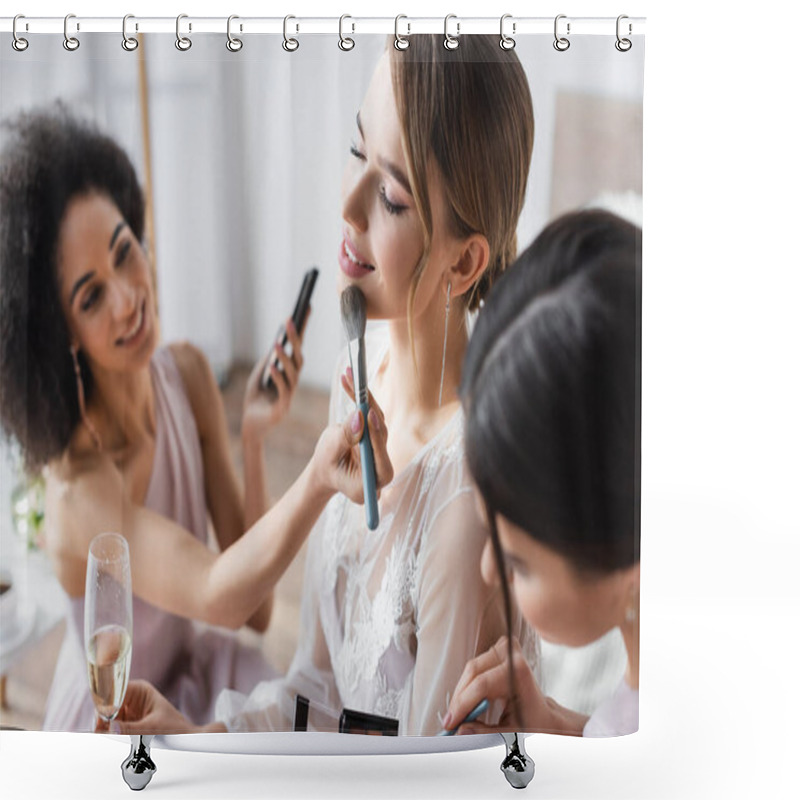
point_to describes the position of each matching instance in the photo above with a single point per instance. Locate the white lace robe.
(389, 617)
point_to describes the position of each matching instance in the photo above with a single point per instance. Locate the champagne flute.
(108, 622)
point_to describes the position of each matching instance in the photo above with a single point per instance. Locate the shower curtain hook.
(71, 43)
(561, 43)
(233, 44)
(129, 43)
(401, 42)
(183, 43)
(18, 43)
(507, 42)
(451, 42)
(623, 45)
(345, 42)
(289, 44)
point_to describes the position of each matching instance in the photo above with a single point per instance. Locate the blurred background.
(241, 155)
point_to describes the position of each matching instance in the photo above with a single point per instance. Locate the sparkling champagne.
(109, 660)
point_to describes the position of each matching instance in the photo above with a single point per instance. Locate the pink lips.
(353, 269)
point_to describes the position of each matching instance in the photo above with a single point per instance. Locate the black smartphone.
(299, 319)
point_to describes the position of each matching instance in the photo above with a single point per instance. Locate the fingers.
(378, 436)
(492, 684)
(141, 726)
(290, 371)
(491, 658)
(485, 676)
(348, 386)
(296, 341)
(353, 429)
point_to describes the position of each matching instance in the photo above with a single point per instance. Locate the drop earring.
(82, 399)
(444, 346)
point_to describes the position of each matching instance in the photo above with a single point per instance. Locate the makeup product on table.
(354, 318)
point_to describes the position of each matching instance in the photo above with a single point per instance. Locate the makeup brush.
(354, 318)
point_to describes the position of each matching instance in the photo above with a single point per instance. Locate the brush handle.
(368, 472)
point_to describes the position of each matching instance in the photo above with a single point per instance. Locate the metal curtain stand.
(139, 768)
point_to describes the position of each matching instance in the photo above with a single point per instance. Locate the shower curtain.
(249, 148)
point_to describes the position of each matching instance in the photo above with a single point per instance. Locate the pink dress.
(189, 663)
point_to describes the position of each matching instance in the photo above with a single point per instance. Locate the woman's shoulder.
(193, 369)
(190, 362)
(80, 487)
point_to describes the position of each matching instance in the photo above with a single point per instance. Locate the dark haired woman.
(132, 437)
(551, 387)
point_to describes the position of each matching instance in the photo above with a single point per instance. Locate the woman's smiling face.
(105, 285)
(383, 236)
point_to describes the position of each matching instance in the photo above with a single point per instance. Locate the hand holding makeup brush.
(337, 457)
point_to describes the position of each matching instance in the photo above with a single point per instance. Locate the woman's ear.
(473, 258)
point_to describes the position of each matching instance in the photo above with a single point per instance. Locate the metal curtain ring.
(345, 42)
(561, 43)
(289, 44)
(183, 43)
(401, 42)
(451, 42)
(129, 43)
(623, 45)
(233, 44)
(70, 42)
(18, 43)
(507, 42)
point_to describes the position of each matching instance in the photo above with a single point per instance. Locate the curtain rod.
(349, 25)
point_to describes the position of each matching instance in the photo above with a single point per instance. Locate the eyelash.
(95, 292)
(391, 207)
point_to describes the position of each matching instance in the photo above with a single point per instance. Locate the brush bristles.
(354, 312)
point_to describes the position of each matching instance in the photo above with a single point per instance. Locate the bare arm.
(230, 513)
(173, 570)
(223, 494)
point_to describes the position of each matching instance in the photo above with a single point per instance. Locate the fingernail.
(355, 422)
(374, 420)
(349, 373)
(447, 721)
(290, 326)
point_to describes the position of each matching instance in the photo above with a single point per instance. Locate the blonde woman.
(430, 201)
